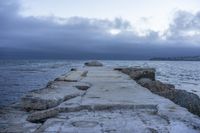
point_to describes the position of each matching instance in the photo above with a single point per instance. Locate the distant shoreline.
(147, 59)
(188, 58)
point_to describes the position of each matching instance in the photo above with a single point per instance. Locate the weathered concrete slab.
(72, 76)
(117, 88)
(14, 121)
(146, 78)
(109, 101)
(50, 97)
(114, 99)
(101, 121)
(118, 121)
(40, 116)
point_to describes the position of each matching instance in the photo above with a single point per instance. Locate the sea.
(17, 77)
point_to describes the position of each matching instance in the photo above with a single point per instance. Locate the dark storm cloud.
(31, 37)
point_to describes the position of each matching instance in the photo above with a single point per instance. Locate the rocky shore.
(102, 99)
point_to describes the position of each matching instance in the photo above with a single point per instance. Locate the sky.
(103, 29)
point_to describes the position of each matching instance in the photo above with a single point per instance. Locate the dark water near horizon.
(17, 77)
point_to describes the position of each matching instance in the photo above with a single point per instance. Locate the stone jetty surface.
(96, 99)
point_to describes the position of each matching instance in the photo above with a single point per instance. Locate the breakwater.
(96, 98)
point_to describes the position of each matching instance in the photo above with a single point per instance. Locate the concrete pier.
(100, 100)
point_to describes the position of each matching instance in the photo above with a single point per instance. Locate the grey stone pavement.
(98, 100)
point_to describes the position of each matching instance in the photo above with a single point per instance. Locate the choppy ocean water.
(17, 77)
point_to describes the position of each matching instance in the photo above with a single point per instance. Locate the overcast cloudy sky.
(102, 29)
